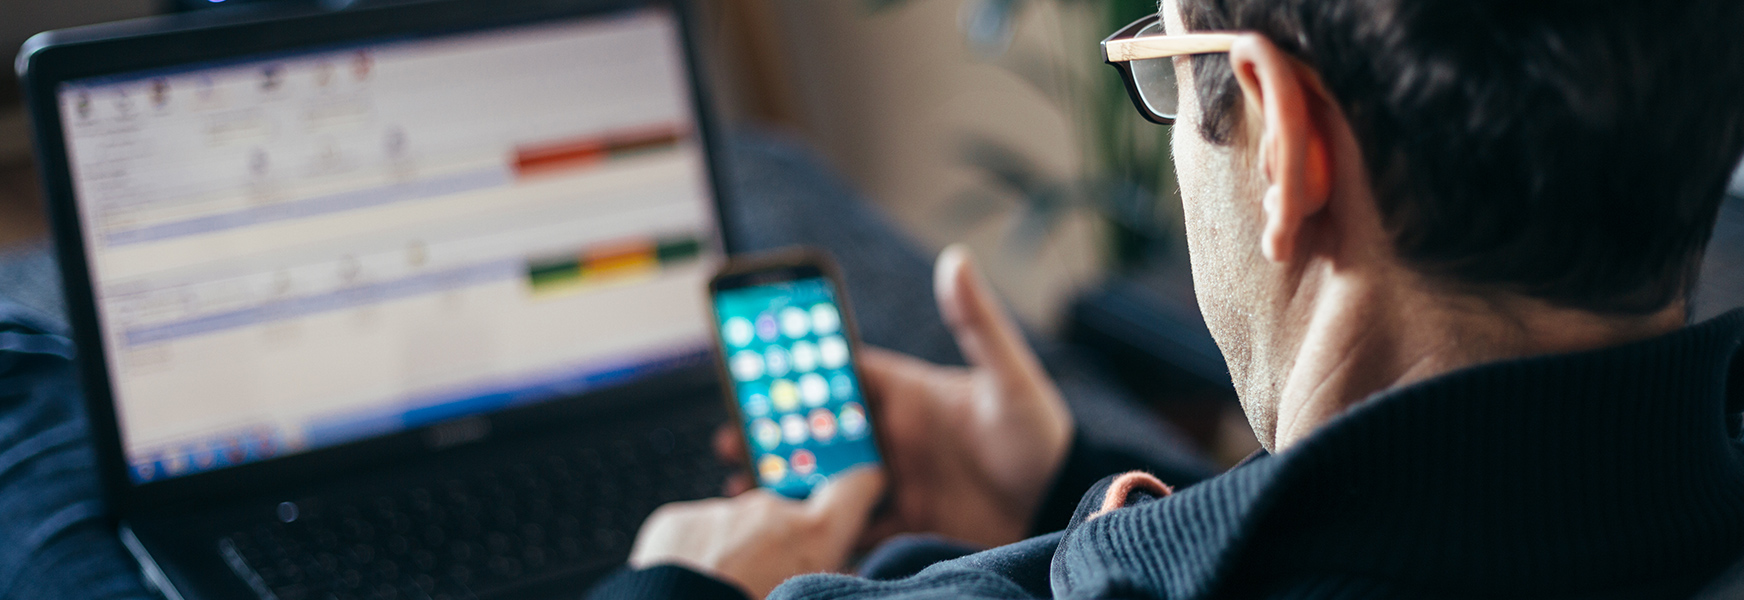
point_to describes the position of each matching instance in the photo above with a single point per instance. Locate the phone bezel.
(776, 266)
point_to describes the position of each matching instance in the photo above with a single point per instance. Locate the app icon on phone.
(747, 365)
(804, 462)
(793, 429)
(824, 319)
(784, 395)
(756, 403)
(771, 468)
(852, 421)
(805, 357)
(794, 322)
(767, 433)
(776, 361)
(766, 328)
(738, 332)
(823, 425)
(833, 352)
(813, 389)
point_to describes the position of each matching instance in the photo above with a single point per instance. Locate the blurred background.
(992, 122)
(959, 118)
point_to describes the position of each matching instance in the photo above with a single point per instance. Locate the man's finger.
(889, 374)
(729, 445)
(848, 498)
(879, 369)
(738, 482)
(985, 333)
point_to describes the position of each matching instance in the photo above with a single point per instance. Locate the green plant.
(1127, 178)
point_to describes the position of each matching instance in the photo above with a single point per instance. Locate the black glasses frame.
(1126, 45)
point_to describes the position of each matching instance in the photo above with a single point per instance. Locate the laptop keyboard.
(570, 512)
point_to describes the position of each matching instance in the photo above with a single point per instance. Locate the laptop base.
(541, 517)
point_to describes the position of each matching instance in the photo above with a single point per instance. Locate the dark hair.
(1575, 152)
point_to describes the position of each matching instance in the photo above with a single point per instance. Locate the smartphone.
(787, 342)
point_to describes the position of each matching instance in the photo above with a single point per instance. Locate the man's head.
(1569, 156)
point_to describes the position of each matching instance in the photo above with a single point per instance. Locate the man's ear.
(1279, 93)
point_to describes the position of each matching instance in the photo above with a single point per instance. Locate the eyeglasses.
(1142, 53)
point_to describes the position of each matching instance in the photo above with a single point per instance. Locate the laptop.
(399, 300)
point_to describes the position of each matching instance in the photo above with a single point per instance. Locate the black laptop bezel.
(50, 59)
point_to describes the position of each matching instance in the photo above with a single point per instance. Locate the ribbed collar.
(1608, 472)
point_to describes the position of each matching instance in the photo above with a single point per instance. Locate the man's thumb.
(849, 497)
(985, 333)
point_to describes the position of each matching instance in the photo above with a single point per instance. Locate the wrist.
(1071, 476)
(1029, 494)
(1054, 447)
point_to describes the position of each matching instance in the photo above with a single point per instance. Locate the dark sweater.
(1615, 473)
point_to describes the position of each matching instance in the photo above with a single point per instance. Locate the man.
(1446, 247)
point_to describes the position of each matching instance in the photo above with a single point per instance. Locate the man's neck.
(1361, 338)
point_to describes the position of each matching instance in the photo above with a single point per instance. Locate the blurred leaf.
(879, 5)
(1043, 201)
(1122, 12)
(987, 24)
(1053, 80)
(1030, 235)
(1127, 179)
(973, 207)
(1005, 166)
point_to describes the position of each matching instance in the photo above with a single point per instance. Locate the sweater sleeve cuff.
(664, 581)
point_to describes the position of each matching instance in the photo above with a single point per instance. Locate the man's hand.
(971, 450)
(757, 539)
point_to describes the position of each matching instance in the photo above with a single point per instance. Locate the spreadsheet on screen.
(304, 249)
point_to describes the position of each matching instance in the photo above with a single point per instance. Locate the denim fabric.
(59, 543)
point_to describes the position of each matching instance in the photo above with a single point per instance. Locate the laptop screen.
(310, 248)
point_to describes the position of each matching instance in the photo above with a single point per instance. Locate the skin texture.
(1298, 282)
(758, 539)
(1296, 274)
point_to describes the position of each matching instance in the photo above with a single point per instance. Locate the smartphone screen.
(790, 361)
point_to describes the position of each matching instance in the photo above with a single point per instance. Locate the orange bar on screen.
(621, 259)
(557, 157)
(582, 152)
